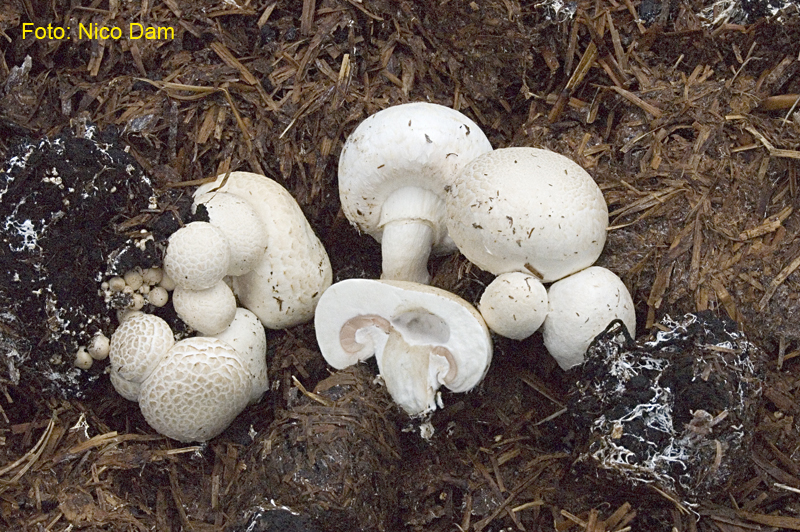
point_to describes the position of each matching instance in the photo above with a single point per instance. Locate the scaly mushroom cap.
(246, 335)
(514, 305)
(208, 311)
(197, 256)
(581, 307)
(197, 391)
(527, 210)
(422, 336)
(393, 171)
(284, 287)
(137, 346)
(236, 219)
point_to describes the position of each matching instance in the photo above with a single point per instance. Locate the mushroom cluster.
(192, 389)
(532, 216)
(258, 240)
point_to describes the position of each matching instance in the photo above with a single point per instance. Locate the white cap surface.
(197, 256)
(284, 287)
(423, 337)
(527, 210)
(243, 229)
(208, 311)
(197, 391)
(514, 305)
(581, 307)
(137, 347)
(246, 335)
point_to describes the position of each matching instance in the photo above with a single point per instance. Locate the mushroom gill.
(347, 334)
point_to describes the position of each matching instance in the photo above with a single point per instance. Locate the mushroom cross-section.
(393, 171)
(422, 337)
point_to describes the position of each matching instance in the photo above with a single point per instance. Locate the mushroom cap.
(246, 234)
(423, 315)
(198, 256)
(527, 210)
(138, 345)
(246, 335)
(197, 391)
(415, 145)
(208, 311)
(514, 305)
(581, 307)
(284, 287)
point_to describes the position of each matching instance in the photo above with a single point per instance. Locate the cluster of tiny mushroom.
(420, 178)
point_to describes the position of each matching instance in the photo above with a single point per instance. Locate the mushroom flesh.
(423, 337)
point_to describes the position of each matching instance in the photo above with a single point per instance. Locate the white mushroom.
(284, 287)
(99, 346)
(197, 391)
(246, 234)
(246, 335)
(514, 305)
(393, 171)
(137, 346)
(197, 256)
(423, 337)
(527, 210)
(207, 311)
(82, 359)
(581, 307)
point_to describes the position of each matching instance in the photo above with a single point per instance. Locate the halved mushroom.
(423, 337)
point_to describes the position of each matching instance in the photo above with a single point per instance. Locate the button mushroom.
(393, 171)
(207, 311)
(197, 391)
(527, 210)
(137, 346)
(514, 305)
(284, 286)
(246, 335)
(581, 307)
(197, 256)
(423, 337)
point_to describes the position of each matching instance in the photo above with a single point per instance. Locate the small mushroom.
(527, 210)
(393, 171)
(137, 346)
(423, 337)
(236, 219)
(198, 256)
(207, 311)
(514, 305)
(246, 335)
(581, 307)
(285, 285)
(196, 391)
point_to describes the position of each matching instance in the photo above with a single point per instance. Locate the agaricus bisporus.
(530, 211)
(422, 337)
(284, 284)
(580, 307)
(138, 345)
(393, 171)
(196, 391)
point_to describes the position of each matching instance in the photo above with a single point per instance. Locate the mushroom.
(246, 335)
(197, 256)
(285, 285)
(207, 311)
(137, 346)
(581, 307)
(236, 219)
(393, 171)
(196, 391)
(527, 210)
(423, 337)
(514, 305)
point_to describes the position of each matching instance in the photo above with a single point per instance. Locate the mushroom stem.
(347, 335)
(405, 248)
